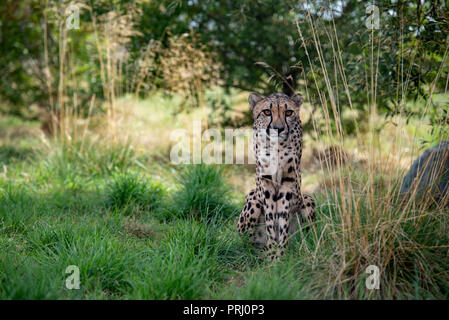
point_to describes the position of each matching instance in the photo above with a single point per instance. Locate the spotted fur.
(276, 208)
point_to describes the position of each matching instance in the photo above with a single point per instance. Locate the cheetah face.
(276, 114)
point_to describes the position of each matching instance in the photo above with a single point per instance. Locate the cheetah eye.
(288, 113)
(267, 112)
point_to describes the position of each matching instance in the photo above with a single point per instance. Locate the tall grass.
(365, 222)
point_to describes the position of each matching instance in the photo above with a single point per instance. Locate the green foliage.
(13, 153)
(196, 256)
(279, 283)
(15, 207)
(91, 158)
(183, 266)
(21, 38)
(241, 33)
(131, 191)
(202, 193)
(21, 278)
(256, 43)
(103, 261)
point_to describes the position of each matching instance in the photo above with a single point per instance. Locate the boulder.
(430, 172)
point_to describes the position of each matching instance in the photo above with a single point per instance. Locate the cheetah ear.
(253, 99)
(298, 99)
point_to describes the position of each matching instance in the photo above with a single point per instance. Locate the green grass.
(201, 193)
(129, 191)
(171, 234)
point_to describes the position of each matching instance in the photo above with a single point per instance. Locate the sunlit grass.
(139, 227)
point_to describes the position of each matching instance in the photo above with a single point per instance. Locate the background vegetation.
(85, 121)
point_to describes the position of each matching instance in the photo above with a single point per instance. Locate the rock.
(430, 172)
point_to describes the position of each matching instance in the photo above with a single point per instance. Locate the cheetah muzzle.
(276, 208)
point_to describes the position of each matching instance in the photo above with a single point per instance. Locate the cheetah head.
(275, 115)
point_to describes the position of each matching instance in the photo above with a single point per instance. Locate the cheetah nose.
(279, 128)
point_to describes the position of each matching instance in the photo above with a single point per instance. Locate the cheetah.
(276, 207)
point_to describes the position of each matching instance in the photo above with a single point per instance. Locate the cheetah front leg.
(303, 215)
(285, 202)
(250, 216)
(307, 209)
(267, 193)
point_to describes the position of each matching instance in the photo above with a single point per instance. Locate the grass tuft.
(129, 191)
(202, 193)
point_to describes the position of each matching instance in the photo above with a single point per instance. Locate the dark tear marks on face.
(275, 113)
